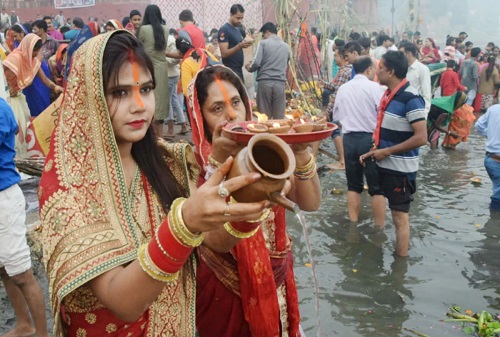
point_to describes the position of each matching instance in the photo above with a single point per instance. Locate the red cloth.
(450, 83)
(196, 35)
(309, 56)
(432, 53)
(236, 292)
(384, 103)
(477, 103)
(102, 323)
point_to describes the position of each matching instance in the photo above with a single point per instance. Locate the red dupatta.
(384, 103)
(257, 280)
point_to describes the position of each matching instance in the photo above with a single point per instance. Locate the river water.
(453, 259)
(364, 291)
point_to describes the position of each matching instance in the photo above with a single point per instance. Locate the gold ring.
(226, 210)
(223, 191)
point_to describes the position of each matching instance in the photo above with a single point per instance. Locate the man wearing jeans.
(173, 70)
(488, 125)
(15, 260)
(356, 107)
(470, 74)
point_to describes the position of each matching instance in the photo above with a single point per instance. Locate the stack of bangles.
(245, 229)
(165, 254)
(307, 171)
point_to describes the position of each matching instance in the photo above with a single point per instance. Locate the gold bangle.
(182, 233)
(212, 162)
(150, 268)
(237, 234)
(306, 175)
(262, 217)
(307, 167)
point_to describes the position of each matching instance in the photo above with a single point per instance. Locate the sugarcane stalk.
(460, 317)
(416, 332)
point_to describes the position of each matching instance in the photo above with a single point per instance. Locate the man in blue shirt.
(231, 41)
(488, 125)
(75, 30)
(15, 260)
(401, 130)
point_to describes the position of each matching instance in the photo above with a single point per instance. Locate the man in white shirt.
(383, 43)
(356, 107)
(418, 74)
(4, 19)
(60, 20)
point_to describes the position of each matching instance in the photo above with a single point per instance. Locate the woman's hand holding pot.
(209, 208)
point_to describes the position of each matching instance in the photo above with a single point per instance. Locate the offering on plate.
(291, 124)
(257, 128)
(278, 128)
(305, 127)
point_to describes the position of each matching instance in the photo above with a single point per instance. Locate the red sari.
(239, 293)
(93, 222)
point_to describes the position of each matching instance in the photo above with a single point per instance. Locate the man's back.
(469, 73)
(195, 35)
(272, 59)
(357, 103)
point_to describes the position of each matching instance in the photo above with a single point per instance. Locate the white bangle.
(209, 171)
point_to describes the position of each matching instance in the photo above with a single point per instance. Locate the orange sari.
(22, 63)
(460, 123)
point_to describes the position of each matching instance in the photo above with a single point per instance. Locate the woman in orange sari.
(251, 290)
(113, 24)
(21, 67)
(120, 210)
(57, 63)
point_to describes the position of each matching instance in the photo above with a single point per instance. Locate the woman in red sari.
(120, 210)
(251, 290)
(430, 53)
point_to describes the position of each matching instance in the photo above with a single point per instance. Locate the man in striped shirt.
(401, 131)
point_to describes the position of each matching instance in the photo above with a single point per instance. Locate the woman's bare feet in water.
(21, 331)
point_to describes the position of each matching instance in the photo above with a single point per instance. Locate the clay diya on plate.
(302, 128)
(272, 122)
(257, 128)
(279, 128)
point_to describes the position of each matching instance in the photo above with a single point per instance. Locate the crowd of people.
(141, 236)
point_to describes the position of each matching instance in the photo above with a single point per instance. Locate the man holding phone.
(231, 41)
